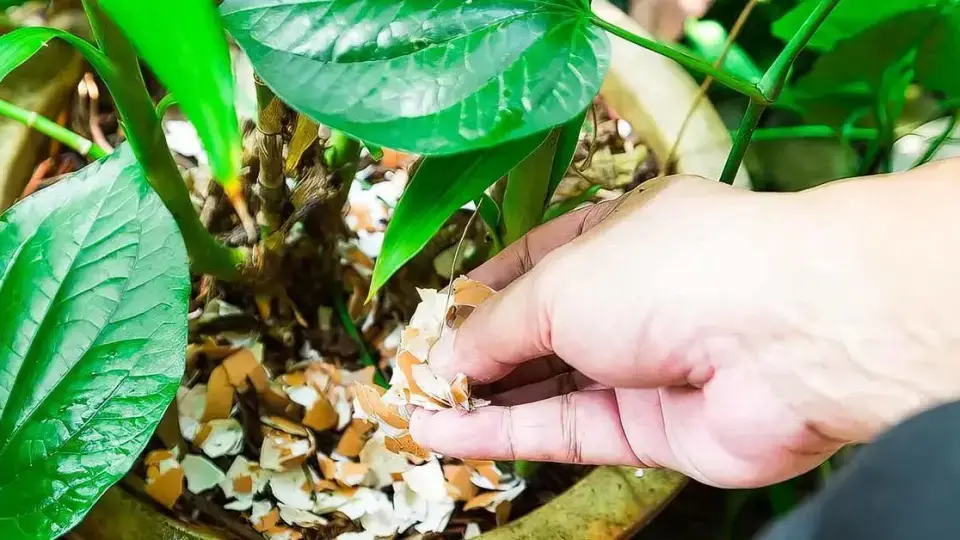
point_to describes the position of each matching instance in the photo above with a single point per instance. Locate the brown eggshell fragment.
(369, 399)
(459, 478)
(353, 438)
(243, 369)
(405, 444)
(482, 500)
(219, 396)
(321, 416)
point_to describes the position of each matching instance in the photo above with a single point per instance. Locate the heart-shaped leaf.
(94, 284)
(426, 76)
(439, 188)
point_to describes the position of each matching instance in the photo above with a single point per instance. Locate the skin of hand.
(740, 338)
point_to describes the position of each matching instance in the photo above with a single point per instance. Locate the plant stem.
(749, 123)
(770, 86)
(937, 143)
(55, 131)
(149, 145)
(269, 147)
(813, 132)
(685, 59)
(351, 327)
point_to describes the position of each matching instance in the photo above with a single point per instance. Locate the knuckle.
(506, 427)
(569, 430)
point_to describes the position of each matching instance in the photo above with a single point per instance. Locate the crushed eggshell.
(427, 480)
(264, 516)
(362, 535)
(285, 443)
(354, 438)
(243, 480)
(413, 382)
(298, 516)
(383, 463)
(458, 482)
(292, 488)
(201, 474)
(220, 438)
(164, 482)
(472, 531)
(190, 405)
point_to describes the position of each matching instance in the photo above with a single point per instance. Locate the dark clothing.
(903, 486)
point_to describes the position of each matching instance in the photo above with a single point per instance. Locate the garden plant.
(99, 271)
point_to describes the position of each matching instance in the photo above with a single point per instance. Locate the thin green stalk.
(149, 145)
(683, 58)
(814, 132)
(937, 143)
(775, 77)
(770, 86)
(164, 104)
(749, 123)
(82, 145)
(351, 327)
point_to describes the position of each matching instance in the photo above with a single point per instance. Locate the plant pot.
(654, 95)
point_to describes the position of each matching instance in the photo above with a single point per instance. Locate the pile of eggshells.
(376, 475)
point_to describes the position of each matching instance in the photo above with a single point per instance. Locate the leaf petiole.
(685, 59)
(55, 131)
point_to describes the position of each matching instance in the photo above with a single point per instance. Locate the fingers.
(583, 427)
(565, 383)
(518, 258)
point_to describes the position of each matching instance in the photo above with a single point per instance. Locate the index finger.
(518, 258)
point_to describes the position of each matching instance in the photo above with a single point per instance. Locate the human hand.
(740, 338)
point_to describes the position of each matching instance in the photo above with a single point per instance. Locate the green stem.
(749, 123)
(140, 122)
(83, 146)
(164, 104)
(814, 132)
(770, 86)
(776, 76)
(683, 58)
(351, 327)
(937, 143)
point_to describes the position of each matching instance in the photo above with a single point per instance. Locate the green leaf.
(848, 18)
(183, 43)
(18, 46)
(939, 56)
(93, 274)
(562, 207)
(426, 76)
(440, 186)
(567, 140)
(849, 76)
(525, 198)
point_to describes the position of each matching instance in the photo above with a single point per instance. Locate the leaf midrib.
(5, 443)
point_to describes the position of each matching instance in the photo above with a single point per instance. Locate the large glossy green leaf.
(94, 284)
(440, 186)
(426, 76)
(184, 44)
(938, 61)
(848, 18)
